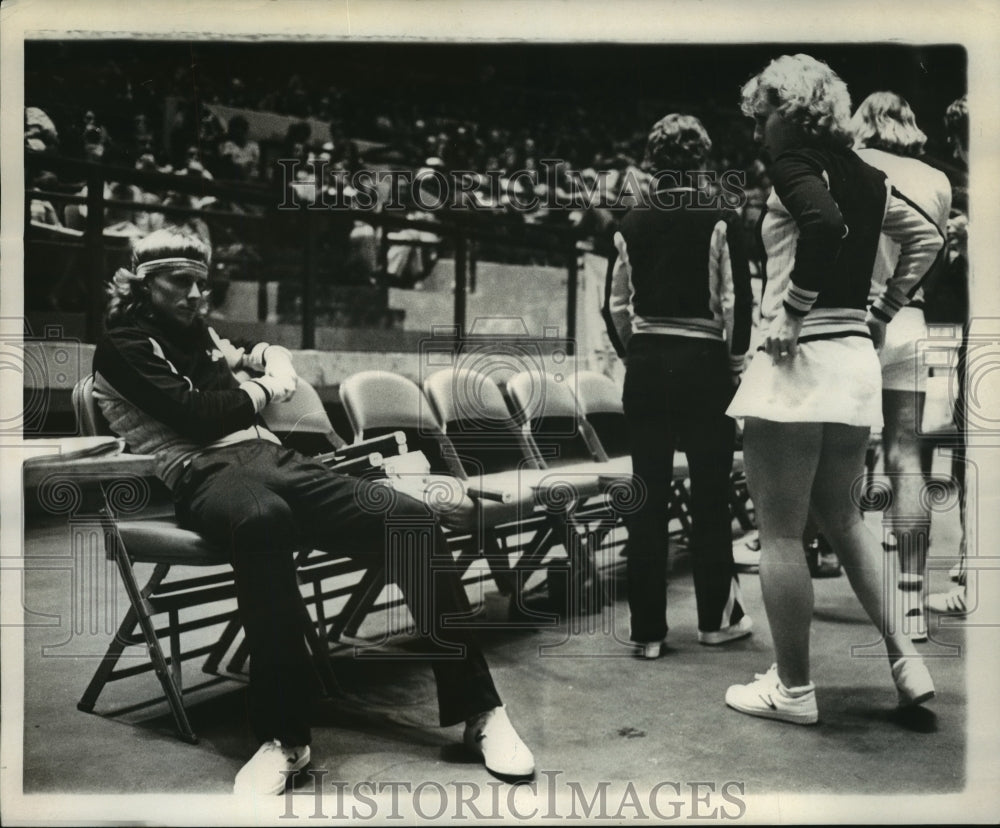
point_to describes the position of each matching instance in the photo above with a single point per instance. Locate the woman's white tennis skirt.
(827, 381)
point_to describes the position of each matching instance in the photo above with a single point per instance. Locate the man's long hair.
(127, 290)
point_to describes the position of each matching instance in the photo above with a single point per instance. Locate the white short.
(827, 381)
(902, 368)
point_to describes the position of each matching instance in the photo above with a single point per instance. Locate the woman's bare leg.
(781, 461)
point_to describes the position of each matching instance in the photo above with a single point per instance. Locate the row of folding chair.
(530, 460)
(472, 427)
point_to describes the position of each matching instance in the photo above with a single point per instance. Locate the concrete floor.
(600, 722)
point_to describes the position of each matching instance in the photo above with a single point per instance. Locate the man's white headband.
(157, 266)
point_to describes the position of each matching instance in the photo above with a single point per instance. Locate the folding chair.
(498, 453)
(163, 543)
(600, 401)
(377, 402)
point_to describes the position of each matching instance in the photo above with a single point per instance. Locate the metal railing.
(461, 229)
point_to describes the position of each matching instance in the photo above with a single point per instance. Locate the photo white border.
(975, 25)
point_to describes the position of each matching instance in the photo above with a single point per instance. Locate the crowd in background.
(161, 116)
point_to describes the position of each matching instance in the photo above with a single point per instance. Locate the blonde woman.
(813, 395)
(886, 136)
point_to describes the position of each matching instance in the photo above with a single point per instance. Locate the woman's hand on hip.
(876, 327)
(783, 335)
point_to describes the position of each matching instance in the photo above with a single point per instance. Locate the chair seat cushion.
(164, 541)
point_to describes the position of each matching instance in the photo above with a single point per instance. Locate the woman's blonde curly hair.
(125, 289)
(805, 92)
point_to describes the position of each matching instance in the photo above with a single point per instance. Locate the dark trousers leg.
(676, 393)
(709, 443)
(364, 520)
(257, 526)
(652, 444)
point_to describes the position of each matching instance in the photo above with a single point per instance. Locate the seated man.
(164, 382)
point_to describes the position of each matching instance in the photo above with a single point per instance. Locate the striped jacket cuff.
(736, 362)
(798, 300)
(258, 393)
(886, 306)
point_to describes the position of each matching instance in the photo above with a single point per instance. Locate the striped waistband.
(679, 326)
(828, 323)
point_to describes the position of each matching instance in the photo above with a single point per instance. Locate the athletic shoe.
(268, 772)
(768, 698)
(650, 650)
(746, 553)
(951, 602)
(913, 682)
(492, 736)
(734, 632)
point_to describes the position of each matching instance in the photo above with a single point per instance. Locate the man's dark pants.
(263, 503)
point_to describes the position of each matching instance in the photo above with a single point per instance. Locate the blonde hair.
(677, 142)
(169, 243)
(885, 121)
(805, 92)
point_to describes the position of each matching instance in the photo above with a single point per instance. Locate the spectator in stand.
(123, 220)
(211, 133)
(194, 164)
(42, 210)
(40, 133)
(94, 143)
(239, 155)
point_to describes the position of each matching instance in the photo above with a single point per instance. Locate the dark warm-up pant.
(264, 502)
(676, 393)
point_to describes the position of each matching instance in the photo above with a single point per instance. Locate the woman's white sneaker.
(913, 682)
(268, 772)
(768, 698)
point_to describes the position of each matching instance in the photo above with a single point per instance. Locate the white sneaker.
(493, 737)
(951, 602)
(913, 682)
(268, 772)
(734, 632)
(767, 697)
(746, 553)
(650, 649)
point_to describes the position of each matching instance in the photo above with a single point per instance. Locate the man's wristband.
(267, 391)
